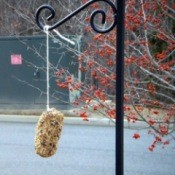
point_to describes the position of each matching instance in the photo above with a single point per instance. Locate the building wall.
(23, 72)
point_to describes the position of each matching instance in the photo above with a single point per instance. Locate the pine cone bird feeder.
(48, 132)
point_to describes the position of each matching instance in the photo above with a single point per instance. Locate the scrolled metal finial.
(92, 17)
(39, 10)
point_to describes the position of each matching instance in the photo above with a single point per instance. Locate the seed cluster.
(48, 132)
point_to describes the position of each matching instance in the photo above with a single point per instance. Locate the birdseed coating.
(48, 132)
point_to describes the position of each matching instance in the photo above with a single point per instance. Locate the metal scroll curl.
(92, 17)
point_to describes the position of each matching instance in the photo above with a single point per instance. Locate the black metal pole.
(120, 87)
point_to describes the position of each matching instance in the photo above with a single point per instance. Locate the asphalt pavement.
(82, 150)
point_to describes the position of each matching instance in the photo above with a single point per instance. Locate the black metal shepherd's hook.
(102, 12)
(119, 21)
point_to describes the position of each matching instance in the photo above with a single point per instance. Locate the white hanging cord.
(64, 38)
(46, 30)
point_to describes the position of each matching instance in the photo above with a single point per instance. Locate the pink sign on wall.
(16, 59)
